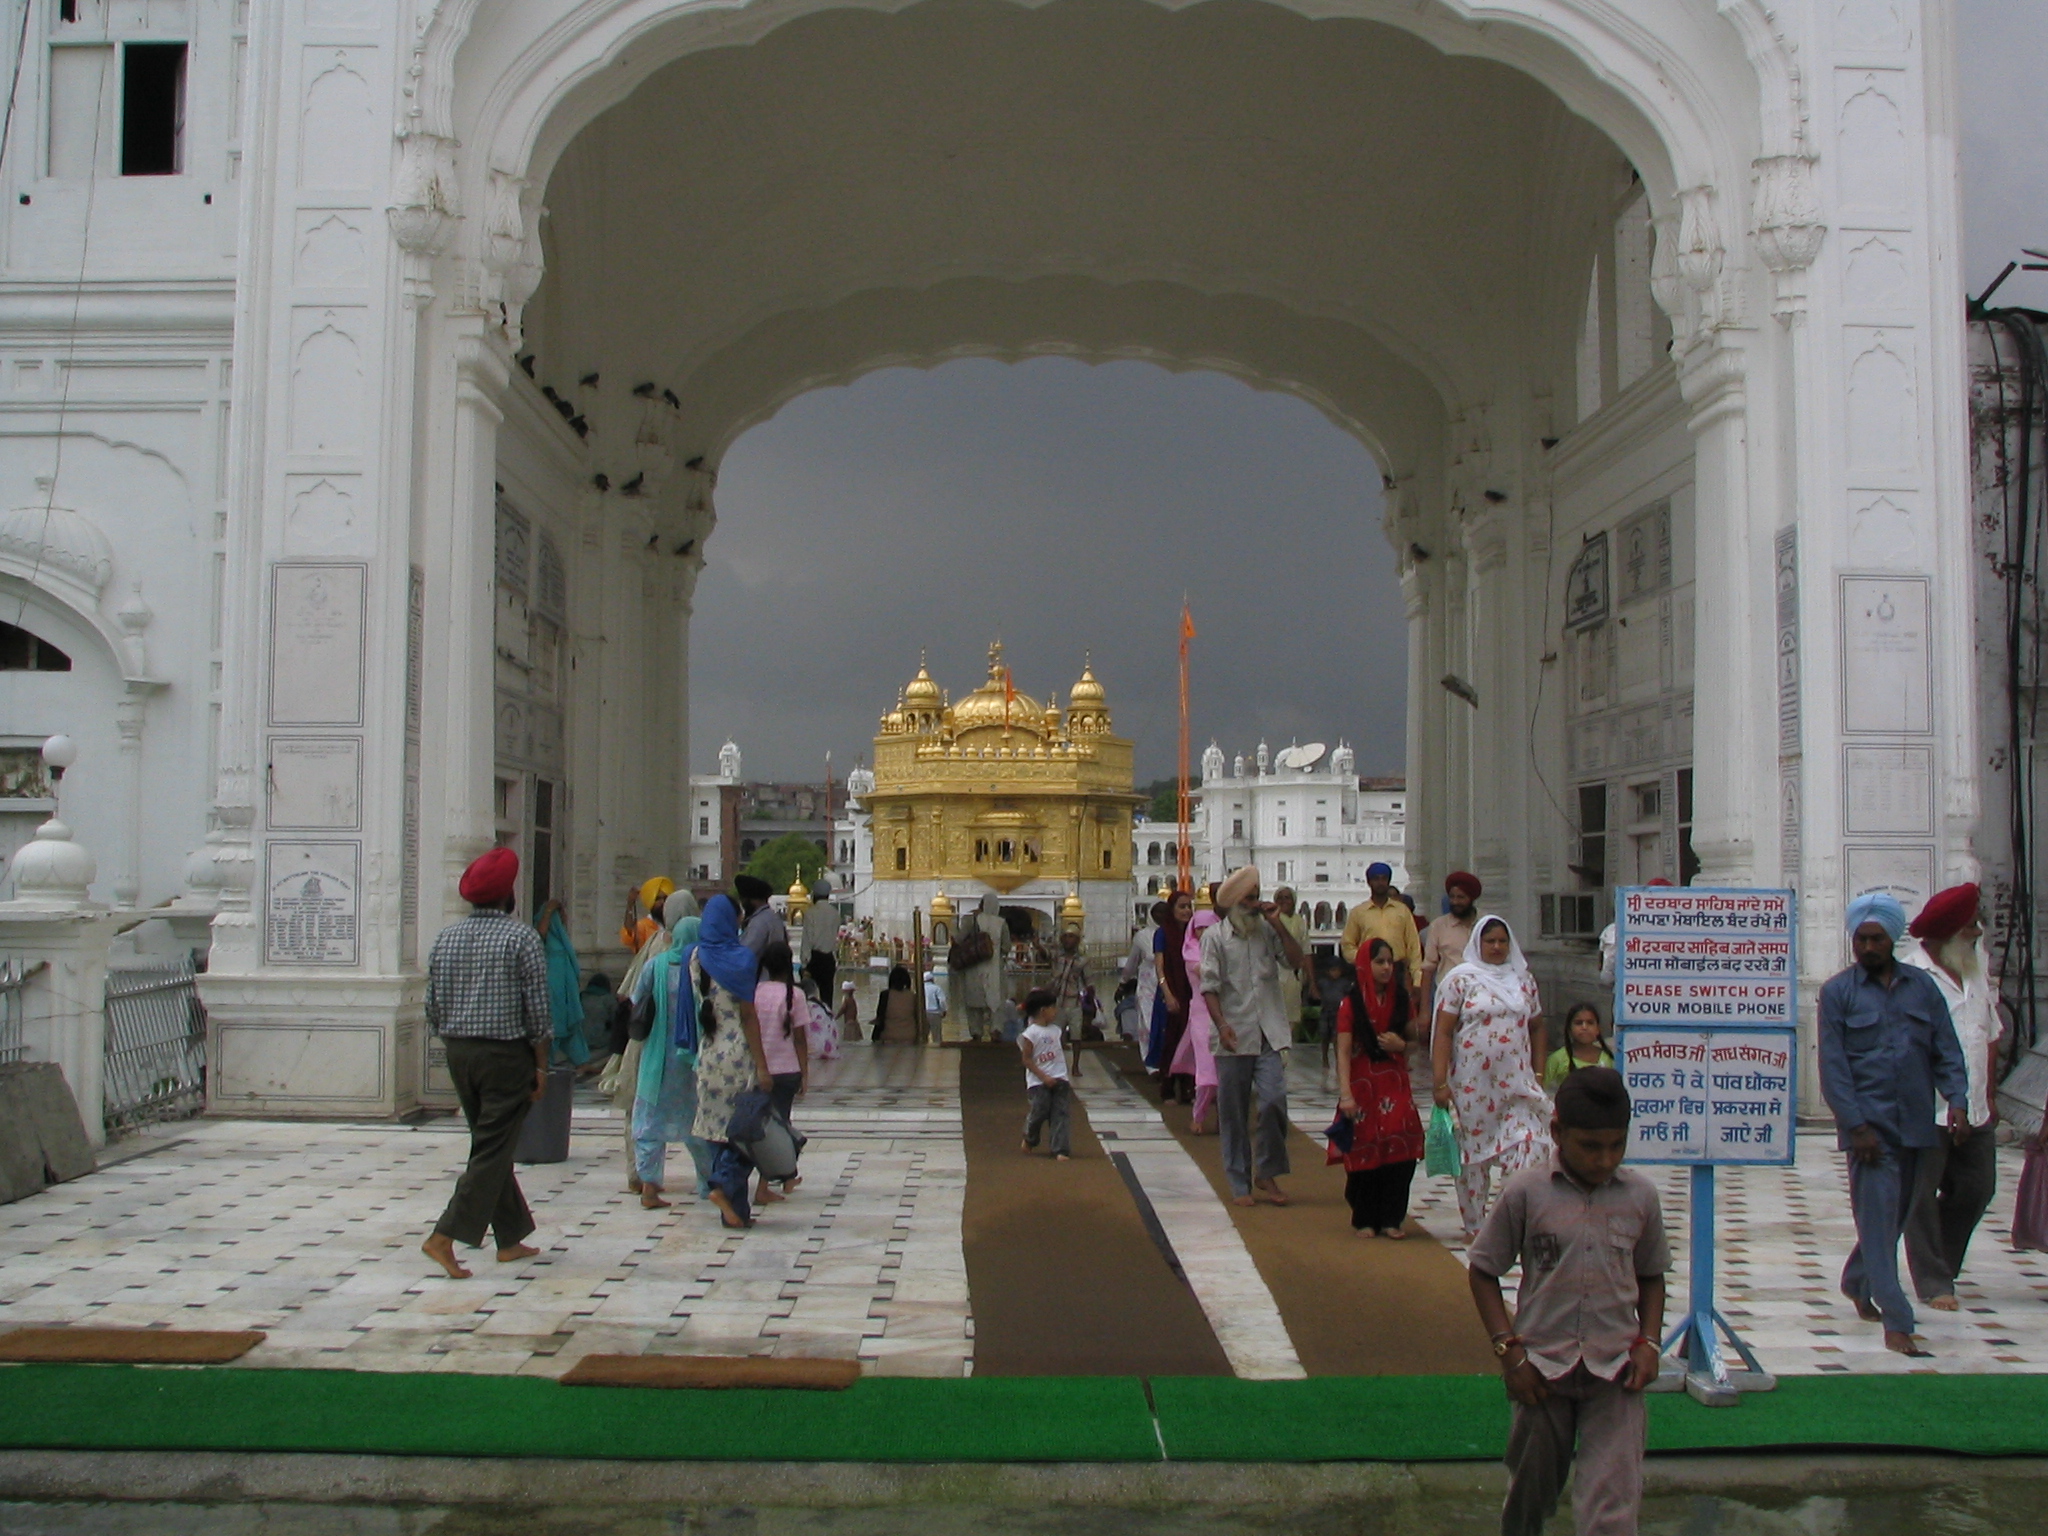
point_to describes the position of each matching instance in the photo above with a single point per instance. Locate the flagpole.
(1186, 862)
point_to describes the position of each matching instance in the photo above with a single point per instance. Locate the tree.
(1165, 795)
(780, 862)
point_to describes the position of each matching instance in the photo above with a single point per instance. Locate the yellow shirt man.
(1384, 917)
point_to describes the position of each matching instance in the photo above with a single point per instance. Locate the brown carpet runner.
(1062, 1275)
(712, 1371)
(1353, 1306)
(127, 1346)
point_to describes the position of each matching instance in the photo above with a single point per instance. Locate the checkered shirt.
(487, 979)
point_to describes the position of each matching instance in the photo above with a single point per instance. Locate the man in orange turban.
(1953, 1181)
(487, 998)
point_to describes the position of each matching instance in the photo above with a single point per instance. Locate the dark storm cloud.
(2002, 45)
(1064, 508)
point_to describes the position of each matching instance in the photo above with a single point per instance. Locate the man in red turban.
(487, 998)
(1443, 949)
(1953, 1181)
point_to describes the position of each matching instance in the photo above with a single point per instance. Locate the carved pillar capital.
(1789, 228)
(426, 202)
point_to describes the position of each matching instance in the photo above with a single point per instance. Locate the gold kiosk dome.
(799, 896)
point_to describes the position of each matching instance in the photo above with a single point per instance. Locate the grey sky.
(1065, 507)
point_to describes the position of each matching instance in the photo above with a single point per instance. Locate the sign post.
(1706, 1024)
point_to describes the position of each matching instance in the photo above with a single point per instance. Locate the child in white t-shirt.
(1043, 1044)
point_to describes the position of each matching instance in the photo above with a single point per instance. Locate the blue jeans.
(1878, 1196)
(730, 1171)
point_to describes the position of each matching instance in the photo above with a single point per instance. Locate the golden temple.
(1000, 789)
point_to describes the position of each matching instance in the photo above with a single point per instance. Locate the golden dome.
(1087, 691)
(923, 693)
(799, 896)
(986, 706)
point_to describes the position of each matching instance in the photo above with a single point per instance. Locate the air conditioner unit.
(1572, 914)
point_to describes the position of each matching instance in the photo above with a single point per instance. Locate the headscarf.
(565, 988)
(1172, 963)
(1880, 908)
(1191, 942)
(679, 905)
(1508, 983)
(1372, 1011)
(719, 951)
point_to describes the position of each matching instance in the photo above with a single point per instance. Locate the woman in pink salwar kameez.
(1197, 1053)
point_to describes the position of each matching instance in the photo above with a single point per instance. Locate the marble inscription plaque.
(316, 644)
(1907, 873)
(1888, 789)
(1885, 657)
(310, 902)
(316, 783)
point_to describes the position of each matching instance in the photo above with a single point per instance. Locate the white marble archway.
(1754, 131)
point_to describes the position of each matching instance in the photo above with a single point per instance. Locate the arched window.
(21, 651)
(747, 848)
(1340, 914)
(1173, 853)
(1322, 914)
(1152, 854)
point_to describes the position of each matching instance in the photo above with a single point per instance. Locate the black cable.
(2023, 483)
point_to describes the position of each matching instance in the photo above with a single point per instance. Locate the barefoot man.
(487, 998)
(1240, 978)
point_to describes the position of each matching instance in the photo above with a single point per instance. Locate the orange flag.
(1187, 623)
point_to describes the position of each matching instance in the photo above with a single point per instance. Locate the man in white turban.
(1241, 961)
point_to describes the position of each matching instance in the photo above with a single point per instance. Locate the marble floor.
(311, 1231)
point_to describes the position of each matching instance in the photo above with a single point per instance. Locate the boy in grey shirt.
(1583, 1343)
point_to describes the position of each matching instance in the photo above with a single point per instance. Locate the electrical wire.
(2022, 455)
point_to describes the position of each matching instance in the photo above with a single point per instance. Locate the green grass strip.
(1461, 1418)
(882, 1419)
(980, 1419)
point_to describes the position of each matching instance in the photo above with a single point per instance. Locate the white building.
(1302, 818)
(380, 356)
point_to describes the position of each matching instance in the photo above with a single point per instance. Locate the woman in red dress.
(1372, 1067)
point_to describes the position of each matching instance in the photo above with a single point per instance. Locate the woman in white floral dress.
(1487, 1051)
(729, 1055)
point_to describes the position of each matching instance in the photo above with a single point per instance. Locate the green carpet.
(106, 1407)
(980, 1419)
(1459, 1418)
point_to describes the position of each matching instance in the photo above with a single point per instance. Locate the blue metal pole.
(1699, 1301)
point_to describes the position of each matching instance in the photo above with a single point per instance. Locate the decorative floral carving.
(426, 196)
(1789, 230)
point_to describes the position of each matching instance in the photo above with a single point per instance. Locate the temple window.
(152, 109)
(1107, 861)
(21, 651)
(903, 858)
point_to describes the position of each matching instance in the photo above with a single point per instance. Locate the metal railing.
(156, 1047)
(13, 983)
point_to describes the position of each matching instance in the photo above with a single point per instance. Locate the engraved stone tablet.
(316, 783)
(1888, 789)
(1885, 660)
(309, 903)
(316, 644)
(1906, 873)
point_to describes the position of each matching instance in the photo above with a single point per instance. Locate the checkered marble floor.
(311, 1232)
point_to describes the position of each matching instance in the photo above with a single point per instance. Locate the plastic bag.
(824, 1033)
(760, 1134)
(1440, 1146)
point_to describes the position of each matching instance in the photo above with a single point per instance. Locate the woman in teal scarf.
(565, 986)
(665, 1101)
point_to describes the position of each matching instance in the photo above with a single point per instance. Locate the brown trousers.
(494, 1082)
(1594, 1424)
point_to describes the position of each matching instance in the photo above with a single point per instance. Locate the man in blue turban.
(1387, 917)
(1886, 1047)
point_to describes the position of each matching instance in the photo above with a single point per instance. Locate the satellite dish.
(1299, 758)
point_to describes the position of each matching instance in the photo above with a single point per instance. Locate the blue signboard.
(1706, 1010)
